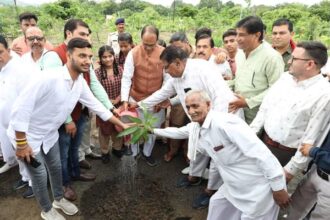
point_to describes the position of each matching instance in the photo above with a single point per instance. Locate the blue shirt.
(321, 155)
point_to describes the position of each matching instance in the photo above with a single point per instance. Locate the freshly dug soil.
(119, 200)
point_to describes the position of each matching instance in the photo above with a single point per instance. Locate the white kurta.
(223, 69)
(249, 170)
(13, 78)
(44, 105)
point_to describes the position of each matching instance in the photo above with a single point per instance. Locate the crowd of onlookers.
(274, 99)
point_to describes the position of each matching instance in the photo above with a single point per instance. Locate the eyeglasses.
(33, 38)
(303, 59)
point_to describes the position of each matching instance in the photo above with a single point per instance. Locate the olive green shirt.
(254, 75)
(286, 56)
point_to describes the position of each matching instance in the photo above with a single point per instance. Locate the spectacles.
(33, 38)
(303, 59)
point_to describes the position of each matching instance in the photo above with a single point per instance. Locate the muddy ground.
(120, 192)
(156, 191)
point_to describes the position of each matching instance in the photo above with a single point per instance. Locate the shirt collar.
(8, 64)
(207, 121)
(309, 82)
(66, 73)
(186, 69)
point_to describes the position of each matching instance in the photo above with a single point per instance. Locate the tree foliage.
(310, 23)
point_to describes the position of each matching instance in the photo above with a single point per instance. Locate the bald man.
(36, 42)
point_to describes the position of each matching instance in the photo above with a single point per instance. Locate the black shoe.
(20, 184)
(150, 160)
(93, 156)
(117, 153)
(105, 158)
(202, 201)
(28, 193)
(185, 182)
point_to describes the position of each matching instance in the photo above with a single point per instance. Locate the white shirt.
(13, 78)
(198, 75)
(222, 68)
(113, 42)
(27, 57)
(248, 169)
(326, 68)
(128, 73)
(294, 113)
(43, 106)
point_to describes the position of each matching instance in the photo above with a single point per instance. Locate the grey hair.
(202, 94)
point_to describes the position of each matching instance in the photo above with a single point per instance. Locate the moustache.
(201, 53)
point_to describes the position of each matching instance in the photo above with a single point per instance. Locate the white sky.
(169, 2)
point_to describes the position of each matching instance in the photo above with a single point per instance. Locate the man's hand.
(281, 198)
(305, 149)
(25, 153)
(237, 104)
(129, 105)
(71, 128)
(221, 57)
(165, 104)
(288, 176)
(18, 50)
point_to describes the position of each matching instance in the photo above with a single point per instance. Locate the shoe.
(117, 153)
(7, 167)
(138, 156)
(20, 184)
(84, 164)
(69, 193)
(66, 206)
(206, 174)
(52, 214)
(93, 156)
(150, 160)
(28, 193)
(185, 182)
(105, 158)
(202, 201)
(185, 171)
(85, 177)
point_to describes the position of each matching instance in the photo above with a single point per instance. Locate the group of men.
(253, 124)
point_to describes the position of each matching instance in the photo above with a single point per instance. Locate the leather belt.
(267, 140)
(322, 174)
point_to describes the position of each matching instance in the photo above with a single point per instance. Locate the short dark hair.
(3, 42)
(205, 36)
(203, 31)
(283, 21)
(171, 53)
(253, 25)
(229, 32)
(315, 50)
(78, 43)
(150, 29)
(127, 37)
(27, 16)
(161, 42)
(72, 25)
(179, 36)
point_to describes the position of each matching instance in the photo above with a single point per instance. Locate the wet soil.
(113, 195)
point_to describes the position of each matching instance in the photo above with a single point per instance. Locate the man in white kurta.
(253, 179)
(13, 78)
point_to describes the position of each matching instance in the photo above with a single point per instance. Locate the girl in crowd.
(109, 74)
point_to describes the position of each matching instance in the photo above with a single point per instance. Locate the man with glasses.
(257, 68)
(295, 111)
(20, 44)
(36, 42)
(142, 76)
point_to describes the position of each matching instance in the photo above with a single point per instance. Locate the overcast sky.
(169, 2)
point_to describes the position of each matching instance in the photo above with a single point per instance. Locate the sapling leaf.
(128, 131)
